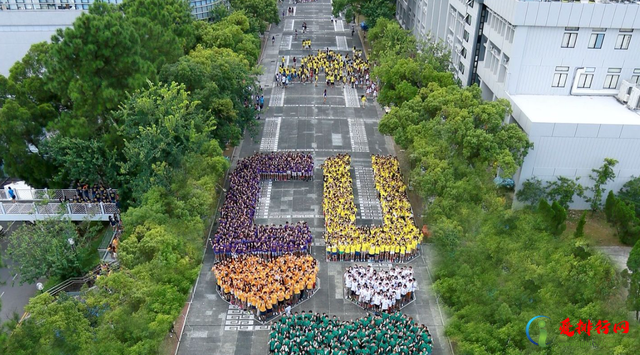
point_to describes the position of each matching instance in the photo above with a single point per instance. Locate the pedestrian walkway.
(297, 119)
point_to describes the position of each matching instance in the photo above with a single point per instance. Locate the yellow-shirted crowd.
(396, 240)
(266, 286)
(348, 69)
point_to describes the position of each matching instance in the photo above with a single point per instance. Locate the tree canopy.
(498, 267)
(43, 250)
(259, 12)
(141, 97)
(372, 10)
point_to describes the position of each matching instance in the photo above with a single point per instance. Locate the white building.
(25, 22)
(571, 71)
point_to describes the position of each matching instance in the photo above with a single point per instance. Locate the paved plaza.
(298, 120)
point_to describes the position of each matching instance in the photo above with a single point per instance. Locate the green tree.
(160, 126)
(630, 193)
(447, 235)
(633, 298)
(372, 10)
(388, 39)
(232, 32)
(27, 108)
(609, 205)
(563, 190)
(633, 262)
(83, 160)
(219, 79)
(259, 12)
(579, 233)
(43, 250)
(531, 191)
(173, 17)
(626, 223)
(219, 12)
(92, 65)
(555, 216)
(559, 218)
(506, 269)
(600, 178)
(53, 327)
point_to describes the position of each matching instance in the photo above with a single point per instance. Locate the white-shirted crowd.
(380, 290)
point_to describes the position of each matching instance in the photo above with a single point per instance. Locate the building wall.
(20, 29)
(572, 150)
(542, 54)
(23, 23)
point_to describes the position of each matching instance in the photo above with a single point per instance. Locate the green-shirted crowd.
(319, 334)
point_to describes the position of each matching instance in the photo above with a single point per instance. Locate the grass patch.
(597, 230)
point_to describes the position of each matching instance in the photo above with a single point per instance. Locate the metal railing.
(48, 5)
(29, 194)
(37, 211)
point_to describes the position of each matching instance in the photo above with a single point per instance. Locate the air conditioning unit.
(625, 90)
(634, 99)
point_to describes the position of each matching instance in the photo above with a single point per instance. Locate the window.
(463, 53)
(467, 19)
(569, 40)
(635, 79)
(559, 80)
(595, 42)
(461, 67)
(585, 80)
(623, 42)
(611, 81)
(465, 36)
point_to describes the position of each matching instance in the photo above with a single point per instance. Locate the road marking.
(288, 25)
(286, 43)
(350, 97)
(271, 134)
(1, 294)
(265, 199)
(277, 96)
(370, 207)
(342, 43)
(339, 25)
(14, 277)
(358, 135)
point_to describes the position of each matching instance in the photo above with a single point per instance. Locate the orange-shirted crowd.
(266, 286)
(396, 240)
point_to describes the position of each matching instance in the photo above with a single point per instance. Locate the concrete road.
(298, 119)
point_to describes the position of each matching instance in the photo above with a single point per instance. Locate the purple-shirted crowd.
(236, 233)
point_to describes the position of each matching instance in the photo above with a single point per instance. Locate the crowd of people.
(348, 69)
(95, 193)
(236, 233)
(266, 287)
(319, 334)
(398, 222)
(380, 290)
(395, 240)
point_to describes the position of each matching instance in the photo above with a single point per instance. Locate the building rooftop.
(575, 109)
